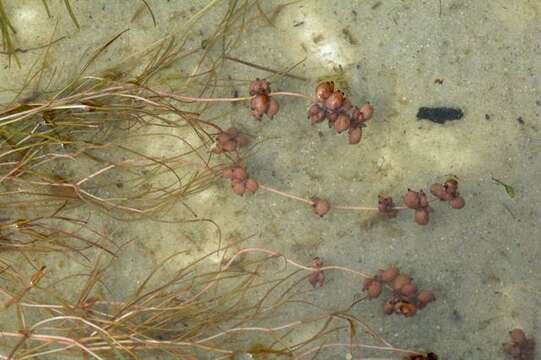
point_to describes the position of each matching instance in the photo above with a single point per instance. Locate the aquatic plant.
(241, 305)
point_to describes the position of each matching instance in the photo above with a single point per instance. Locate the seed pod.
(423, 200)
(251, 185)
(406, 309)
(390, 274)
(317, 118)
(223, 138)
(259, 87)
(335, 100)
(273, 108)
(411, 199)
(425, 297)
(386, 206)
(366, 112)
(518, 336)
(438, 190)
(240, 173)
(388, 307)
(342, 123)
(421, 216)
(451, 186)
(355, 135)
(408, 289)
(511, 349)
(314, 109)
(229, 146)
(346, 106)
(332, 116)
(374, 289)
(259, 105)
(457, 203)
(321, 207)
(400, 281)
(239, 188)
(324, 90)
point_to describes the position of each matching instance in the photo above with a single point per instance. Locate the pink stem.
(289, 196)
(234, 99)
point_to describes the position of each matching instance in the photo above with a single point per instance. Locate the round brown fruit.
(421, 216)
(390, 274)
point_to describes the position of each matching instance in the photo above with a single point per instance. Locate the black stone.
(439, 115)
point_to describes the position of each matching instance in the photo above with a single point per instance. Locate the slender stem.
(362, 346)
(311, 202)
(289, 196)
(233, 99)
(364, 208)
(53, 339)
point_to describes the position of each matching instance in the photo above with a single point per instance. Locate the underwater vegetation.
(75, 151)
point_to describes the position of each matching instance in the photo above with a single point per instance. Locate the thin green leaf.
(508, 188)
(72, 15)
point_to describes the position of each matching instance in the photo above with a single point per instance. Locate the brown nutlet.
(324, 90)
(314, 109)
(374, 289)
(421, 216)
(408, 289)
(411, 199)
(259, 87)
(251, 185)
(228, 146)
(425, 297)
(342, 123)
(423, 200)
(240, 173)
(259, 105)
(400, 281)
(335, 100)
(451, 186)
(366, 112)
(457, 202)
(321, 207)
(406, 309)
(388, 306)
(273, 108)
(389, 274)
(518, 336)
(438, 190)
(239, 188)
(355, 135)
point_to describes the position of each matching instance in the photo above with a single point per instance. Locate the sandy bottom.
(482, 57)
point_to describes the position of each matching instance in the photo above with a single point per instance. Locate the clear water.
(483, 57)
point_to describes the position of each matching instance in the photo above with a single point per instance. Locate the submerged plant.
(241, 305)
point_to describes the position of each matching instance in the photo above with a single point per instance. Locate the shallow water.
(483, 57)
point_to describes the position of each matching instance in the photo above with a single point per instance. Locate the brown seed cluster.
(405, 298)
(241, 182)
(419, 202)
(316, 278)
(262, 103)
(230, 140)
(448, 191)
(386, 206)
(333, 105)
(520, 347)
